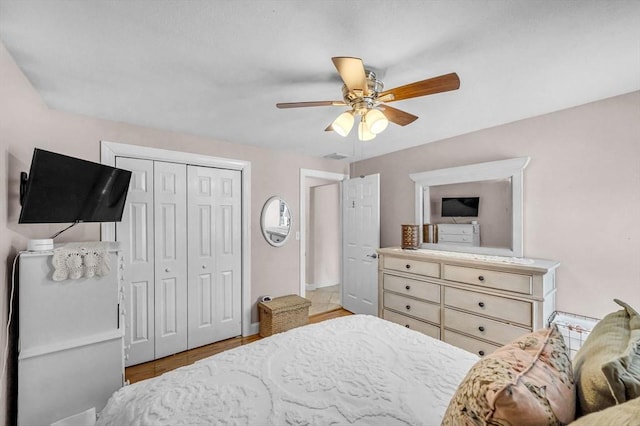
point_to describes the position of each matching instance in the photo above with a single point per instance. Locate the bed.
(357, 370)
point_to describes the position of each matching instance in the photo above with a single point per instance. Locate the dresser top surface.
(520, 263)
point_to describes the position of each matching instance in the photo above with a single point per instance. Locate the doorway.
(321, 239)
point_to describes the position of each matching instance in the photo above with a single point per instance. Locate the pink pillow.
(527, 382)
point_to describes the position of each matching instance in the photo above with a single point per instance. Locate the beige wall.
(324, 258)
(581, 194)
(25, 123)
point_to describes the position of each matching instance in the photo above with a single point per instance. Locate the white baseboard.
(317, 286)
(254, 328)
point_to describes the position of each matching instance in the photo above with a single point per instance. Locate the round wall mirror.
(276, 221)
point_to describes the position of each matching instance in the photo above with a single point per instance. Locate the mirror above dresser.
(475, 208)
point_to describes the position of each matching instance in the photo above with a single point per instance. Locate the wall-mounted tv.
(63, 189)
(460, 206)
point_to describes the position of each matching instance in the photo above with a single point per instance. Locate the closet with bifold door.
(181, 238)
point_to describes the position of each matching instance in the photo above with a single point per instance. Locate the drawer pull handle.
(481, 328)
(407, 325)
(407, 266)
(408, 307)
(481, 278)
(408, 287)
(481, 304)
(481, 353)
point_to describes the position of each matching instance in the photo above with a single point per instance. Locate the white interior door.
(170, 258)
(361, 238)
(135, 232)
(214, 205)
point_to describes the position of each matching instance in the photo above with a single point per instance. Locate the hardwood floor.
(155, 368)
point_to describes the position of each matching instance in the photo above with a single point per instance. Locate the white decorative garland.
(77, 260)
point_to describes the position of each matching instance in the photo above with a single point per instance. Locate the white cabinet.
(462, 234)
(475, 302)
(181, 234)
(70, 340)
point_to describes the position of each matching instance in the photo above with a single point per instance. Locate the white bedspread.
(355, 370)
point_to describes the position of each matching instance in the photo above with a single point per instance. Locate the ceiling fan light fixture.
(343, 124)
(364, 134)
(376, 121)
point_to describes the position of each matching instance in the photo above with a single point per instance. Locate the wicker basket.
(282, 314)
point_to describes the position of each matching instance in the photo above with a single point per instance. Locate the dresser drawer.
(415, 308)
(486, 278)
(468, 343)
(483, 328)
(454, 238)
(412, 323)
(429, 269)
(412, 287)
(494, 306)
(458, 228)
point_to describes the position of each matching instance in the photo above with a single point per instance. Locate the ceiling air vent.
(336, 156)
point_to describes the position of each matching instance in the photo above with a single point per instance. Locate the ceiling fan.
(364, 94)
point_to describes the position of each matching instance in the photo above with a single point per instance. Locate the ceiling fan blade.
(397, 116)
(309, 104)
(351, 71)
(443, 83)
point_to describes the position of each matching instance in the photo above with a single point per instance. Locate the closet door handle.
(407, 287)
(408, 307)
(481, 353)
(481, 304)
(407, 266)
(481, 278)
(167, 270)
(481, 328)
(204, 266)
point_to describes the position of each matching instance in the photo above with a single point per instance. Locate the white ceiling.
(217, 68)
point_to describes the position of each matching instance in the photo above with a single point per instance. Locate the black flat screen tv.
(460, 206)
(63, 189)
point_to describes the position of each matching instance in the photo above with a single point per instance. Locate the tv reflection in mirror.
(63, 189)
(460, 206)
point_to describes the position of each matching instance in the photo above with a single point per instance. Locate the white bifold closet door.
(214, 255)
(181, 233)
(170, 235)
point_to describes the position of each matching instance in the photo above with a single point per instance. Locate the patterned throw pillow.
(527, 382)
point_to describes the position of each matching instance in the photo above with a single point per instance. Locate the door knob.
(204, 266)
(373, 256)
(167, 270)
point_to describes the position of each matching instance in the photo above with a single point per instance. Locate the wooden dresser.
(475, 302)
